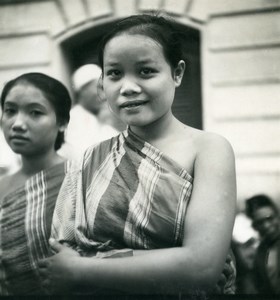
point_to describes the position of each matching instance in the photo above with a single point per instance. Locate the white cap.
(243, 230)
(84, 75)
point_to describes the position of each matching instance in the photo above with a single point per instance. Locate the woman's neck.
(36, 163)
(158, 130)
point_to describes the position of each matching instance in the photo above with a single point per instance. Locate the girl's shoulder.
(205, 138)
(8, 184)
(6, 180)
(211, 144)
(201, 142)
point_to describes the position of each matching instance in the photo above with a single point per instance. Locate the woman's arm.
(194, 266)
(211, 212)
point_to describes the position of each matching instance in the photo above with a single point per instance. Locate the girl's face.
(138, 81)
(29, 121)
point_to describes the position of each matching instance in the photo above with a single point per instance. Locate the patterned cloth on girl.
(25, 225)
(126, 194)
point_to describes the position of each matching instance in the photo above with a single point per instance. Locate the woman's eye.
(35, 113)
(9, 111)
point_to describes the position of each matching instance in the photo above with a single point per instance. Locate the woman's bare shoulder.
(9, 183)
(5, 183)
(210, 142)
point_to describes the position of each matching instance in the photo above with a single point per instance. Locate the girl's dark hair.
(158, 28)
(54, 91)
(256, 202)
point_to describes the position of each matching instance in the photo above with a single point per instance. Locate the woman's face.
(266, 222)
(138, 81)
(29, 121)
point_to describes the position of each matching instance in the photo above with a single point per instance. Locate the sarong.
(26, 218)
(126, 194)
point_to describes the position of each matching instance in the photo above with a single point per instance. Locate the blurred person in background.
(265, 219)
(35, 114)
(84, 128)
(245, 241)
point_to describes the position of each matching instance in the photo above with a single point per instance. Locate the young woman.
(35, 114)
(162, 189)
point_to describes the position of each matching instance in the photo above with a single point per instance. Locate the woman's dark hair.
(54, 91)
(158, 28)
(256, 202)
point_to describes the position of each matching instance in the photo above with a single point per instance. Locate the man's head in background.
(265, 216)
(85, 82)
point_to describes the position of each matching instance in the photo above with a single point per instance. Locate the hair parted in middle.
(161, 29)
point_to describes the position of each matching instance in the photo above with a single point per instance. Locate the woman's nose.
(19, 122)
(129, 87)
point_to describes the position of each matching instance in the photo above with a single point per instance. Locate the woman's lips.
(18, 138)
(133, 104)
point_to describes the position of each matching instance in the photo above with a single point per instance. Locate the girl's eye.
(114, 74)
(147, 71)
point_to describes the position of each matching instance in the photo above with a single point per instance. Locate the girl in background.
(35, 114)
(158, 201)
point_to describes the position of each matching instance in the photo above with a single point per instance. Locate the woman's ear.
(179, 72)
(100, 89)
(62, 127)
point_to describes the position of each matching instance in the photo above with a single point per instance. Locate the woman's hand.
(226, 283)
(57, 272)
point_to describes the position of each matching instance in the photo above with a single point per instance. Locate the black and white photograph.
(140, 149)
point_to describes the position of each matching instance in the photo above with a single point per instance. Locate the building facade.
(232, 86)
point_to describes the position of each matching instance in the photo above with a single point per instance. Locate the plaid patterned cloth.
(25, 225)
(126, 194)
